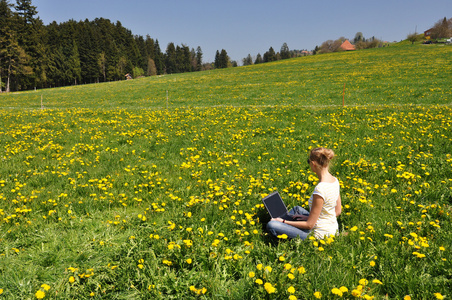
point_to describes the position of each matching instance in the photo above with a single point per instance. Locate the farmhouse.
(427, 33)
(347, 46)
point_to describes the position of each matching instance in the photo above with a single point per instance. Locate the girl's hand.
(278, 219)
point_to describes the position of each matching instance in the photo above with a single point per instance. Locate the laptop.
(275, 205)
(276, 208)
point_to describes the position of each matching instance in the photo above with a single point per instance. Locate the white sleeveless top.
(327, 223)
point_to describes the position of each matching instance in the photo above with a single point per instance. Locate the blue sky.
(243, 27)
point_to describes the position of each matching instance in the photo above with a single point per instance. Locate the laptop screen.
(275, 205)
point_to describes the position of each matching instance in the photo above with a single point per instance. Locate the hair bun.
(321, 155)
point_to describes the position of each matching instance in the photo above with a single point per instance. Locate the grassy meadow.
(412, 74)
(113, 192)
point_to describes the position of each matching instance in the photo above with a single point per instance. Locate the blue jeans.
(277, 228)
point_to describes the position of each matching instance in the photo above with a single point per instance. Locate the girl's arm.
(316, 208)
(338, 206)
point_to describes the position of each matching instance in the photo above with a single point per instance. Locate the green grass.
(415, 74)
(106, 193)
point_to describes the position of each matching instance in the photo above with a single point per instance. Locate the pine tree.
(158, 59)
(74, 64)
(6, 37)
(259, 59)
(224, 59)
(26, 11)
(199, 58)
(17, 63)
(270, 55)
(248, 60)
(30, 31)
(217, 60)
(150, 46)
(284, 52)
(171, 59)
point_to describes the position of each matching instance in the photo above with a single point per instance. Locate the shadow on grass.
(267, 238)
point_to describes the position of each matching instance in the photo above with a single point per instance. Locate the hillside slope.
(412, 74)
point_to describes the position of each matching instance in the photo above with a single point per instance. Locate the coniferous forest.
(34, 55)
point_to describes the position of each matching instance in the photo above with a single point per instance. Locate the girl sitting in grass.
(324, 204)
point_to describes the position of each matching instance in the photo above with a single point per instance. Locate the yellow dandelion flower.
(363, 281)
(269, 288)
(46, 287)
(318, 295)
(438, 296)
(301, 270)
(251, 274)
(40, 294)
(337, 292)
(291, 290)
(377, 281)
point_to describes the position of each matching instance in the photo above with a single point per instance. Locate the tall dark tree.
(270, 55)
(26, 11)
(30, 31)
(150, 47)
(217, 60)
(316, 49)
(223, 59)
(17, 63)
(74, 64)
(171, 59)
(258, 59)
(198, 58)
(89, 50)
(284, 52)
(183, 59)
(6, 38)
(158, 59)
(247, 60)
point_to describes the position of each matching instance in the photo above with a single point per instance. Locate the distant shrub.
(137, 72)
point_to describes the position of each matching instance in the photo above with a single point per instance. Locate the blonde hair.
(322, 156)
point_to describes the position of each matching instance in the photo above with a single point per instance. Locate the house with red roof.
(347, 46)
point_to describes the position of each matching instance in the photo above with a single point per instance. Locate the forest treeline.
(34, 55)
